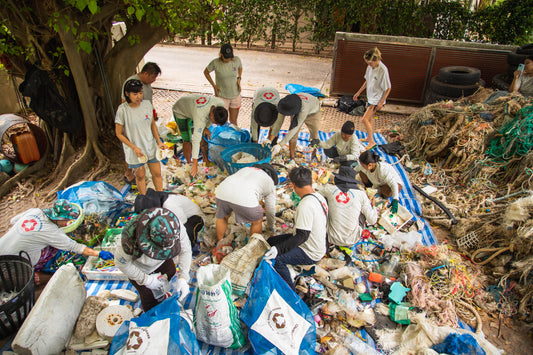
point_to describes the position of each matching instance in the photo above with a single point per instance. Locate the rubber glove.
(153, 282)
(183, 289)
(106, 255)
(340, 159)
(315, 143)
(267, 143)
(272, 253)
(275, 150)
(394, 206)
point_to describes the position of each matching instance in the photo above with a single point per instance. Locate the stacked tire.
(453, 83)
(502, 81)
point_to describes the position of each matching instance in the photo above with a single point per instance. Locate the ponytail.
(369, 157)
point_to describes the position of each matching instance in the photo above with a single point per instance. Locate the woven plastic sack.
(222, 137)
(279, 320)
(243, 262)
(159, 331)
(215, 316)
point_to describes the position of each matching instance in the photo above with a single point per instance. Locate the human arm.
(99, 253)
(276, 126)
(125, 264)
(155, 133)
(208, 77)
(292, 242)
(294, 131)
(515, 84)
(184, 258)
(270, 209)
(356, 95)
(119, 132)
(381, 102)
(355, 148)
(239, 74)
(331, 142)
(368, 210)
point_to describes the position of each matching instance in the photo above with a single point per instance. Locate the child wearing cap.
(264, 112)
(343, 147)
(227, 84)
(135, 127)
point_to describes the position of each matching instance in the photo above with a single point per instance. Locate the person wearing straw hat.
(347, 207)
(36, 229)
(302, 108)
(242, 193)
(149, 243)
(264, 112)
(343, 147)
(193, 115)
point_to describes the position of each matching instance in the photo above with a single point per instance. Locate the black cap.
(265, 114)
(348, 127)
(345, 178)
(290, 105)
(226, 50)
(269, 169)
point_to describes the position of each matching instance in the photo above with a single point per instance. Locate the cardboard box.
(397, 221)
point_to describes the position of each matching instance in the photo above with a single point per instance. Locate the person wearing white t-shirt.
(307, 244)
(378, 87)
(264, 112)
(523, 79)
(347, 207)
(242, 193)
(193, 115)
(343, 147)
(380, 175)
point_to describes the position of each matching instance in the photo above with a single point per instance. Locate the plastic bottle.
(161, 292)
(389, 268)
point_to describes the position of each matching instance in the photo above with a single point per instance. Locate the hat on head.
(265, 114)
(348, 127)
(62, 210)
(290, 105)
(345, 178)
(153, 233)
(269, 169)
(226, 50)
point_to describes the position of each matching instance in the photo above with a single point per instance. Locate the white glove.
(183, 288)
(272, 253)
(267, 143)
(152, 281)
(275, 150)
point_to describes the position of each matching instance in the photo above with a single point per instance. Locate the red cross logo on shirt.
(28, 225)
(303, 97)
(268, 95)
(201, 100)
(342, 198)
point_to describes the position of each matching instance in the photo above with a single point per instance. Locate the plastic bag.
(161, 330)
(279, 321)
(459, 344)
(296, 88)
(96, 197)
(223, 137)
(215, 315)
(358, 346)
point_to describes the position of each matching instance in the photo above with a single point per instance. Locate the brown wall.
(411, 62)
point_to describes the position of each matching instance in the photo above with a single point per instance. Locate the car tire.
(453, 90)
(459, 75)
(431, 97)
(525, 49)
(500, 81)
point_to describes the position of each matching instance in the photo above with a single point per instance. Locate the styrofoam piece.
(110, 319)
(125, 295)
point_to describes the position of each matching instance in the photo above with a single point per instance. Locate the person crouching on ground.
(149, 242)
(380, 175)
(135, 127)
(264, 113)
(307, 244)
(349, 207)
(242, 193)
(343, 147)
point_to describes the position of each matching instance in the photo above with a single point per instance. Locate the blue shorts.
(135, 166)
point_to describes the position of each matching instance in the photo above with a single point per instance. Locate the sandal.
(370, 147)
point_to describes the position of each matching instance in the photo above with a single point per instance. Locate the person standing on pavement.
(380, 175)
(242, 194)
(264, 112)
(378, 87)
(149, 243)
(343, 147)
(307, 245)
(302, 108)
(193, 115)
(135, 127)
(227, 84)
(349, 207)
(147, 76)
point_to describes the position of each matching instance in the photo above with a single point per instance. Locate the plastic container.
(16, 274)
(25, 146)
(111, 239)
(72, 226)
(160, 293)
(262, 154)
(91, 273)
(395, 222)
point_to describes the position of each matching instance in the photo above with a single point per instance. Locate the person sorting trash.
(264, 113)
(343, 147)
(149, 243)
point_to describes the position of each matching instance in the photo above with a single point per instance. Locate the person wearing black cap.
(242, 193)
(347, 204)
(227, 84)
(264, 112)
(302, 108)
(343, 147)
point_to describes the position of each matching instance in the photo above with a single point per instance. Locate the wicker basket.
(261, 153)
(16, 274)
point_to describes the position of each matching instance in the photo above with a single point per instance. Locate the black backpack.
(346, 103)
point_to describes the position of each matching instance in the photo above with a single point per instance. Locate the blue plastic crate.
(261, 153)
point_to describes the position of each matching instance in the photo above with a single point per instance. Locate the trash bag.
(347, 104)
(223, 137)
(394, 148)
(296, 88)
(215, 315)
(96, 198)
(459, 344)
(161, 330)
(279, 320)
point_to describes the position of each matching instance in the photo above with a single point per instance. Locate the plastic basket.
(261, 153)
(467, 242)
(16, 274)
(77, 222)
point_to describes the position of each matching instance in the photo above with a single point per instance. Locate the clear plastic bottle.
(389, 268)
(160, 293)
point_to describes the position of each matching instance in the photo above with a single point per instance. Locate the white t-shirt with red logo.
(32, 231)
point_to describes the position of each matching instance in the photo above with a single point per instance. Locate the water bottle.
(161, 292)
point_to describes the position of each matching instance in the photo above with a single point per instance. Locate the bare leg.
(187, 151)
(256, 227)
(204, 147)
(369, 124)
(292, 149)
(155, 170)
(221, 225)
(233, 114)
(140, 176)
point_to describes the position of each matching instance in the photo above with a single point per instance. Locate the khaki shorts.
(313, 125)
(242, 214)
(232, 103)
